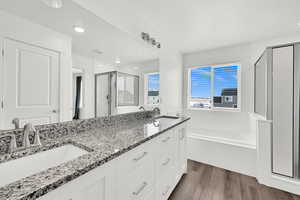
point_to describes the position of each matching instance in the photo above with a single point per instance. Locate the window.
(214, 87)
(152, 88)
(128, 90)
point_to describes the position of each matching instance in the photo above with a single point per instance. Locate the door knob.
(54, 111)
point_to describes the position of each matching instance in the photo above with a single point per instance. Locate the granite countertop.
(102, 144)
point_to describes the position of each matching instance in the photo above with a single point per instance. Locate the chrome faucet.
(156, 110)
(13, 143)
(142, 108)
(28, 128)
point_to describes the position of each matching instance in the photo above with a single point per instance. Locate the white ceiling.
(99, 34)
(189, 25)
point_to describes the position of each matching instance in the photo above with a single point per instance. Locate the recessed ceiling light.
(78, 29)
(299, 24)
(118, 61)
(53, 3)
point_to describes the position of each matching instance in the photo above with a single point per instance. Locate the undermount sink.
(15, 170)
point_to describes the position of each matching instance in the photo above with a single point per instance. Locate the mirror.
(69, 64)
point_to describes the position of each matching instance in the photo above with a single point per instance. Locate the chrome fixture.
(16, 123)
(146, 37)
(156, 110)
(13, 143)
(28, 128)
(142, 108)
(152, 41)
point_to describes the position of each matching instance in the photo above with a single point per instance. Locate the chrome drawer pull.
(140, 157)
(166, 140)
(166, 192)
(167, 161)
(140, 189)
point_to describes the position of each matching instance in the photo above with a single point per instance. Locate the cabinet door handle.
(166, 139)
(140, 157)
(166, 162)
(166, 192)
(140, 189)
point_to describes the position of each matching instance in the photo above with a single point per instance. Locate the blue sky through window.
(201, 82)
(224, 77)
(153, 82)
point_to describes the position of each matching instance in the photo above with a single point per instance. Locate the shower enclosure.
(113, 90)
(277, 92)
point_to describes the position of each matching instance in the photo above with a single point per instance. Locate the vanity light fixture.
(146, 37)
(78, 29)
(158, 45)
(53, 3)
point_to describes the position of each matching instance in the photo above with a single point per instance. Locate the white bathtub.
(231, 150)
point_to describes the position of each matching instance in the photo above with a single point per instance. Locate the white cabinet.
(182, 154)
(147, 172)
(171, 161)
(95, 185)
(135, 173)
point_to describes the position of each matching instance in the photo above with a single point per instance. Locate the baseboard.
(224, 154)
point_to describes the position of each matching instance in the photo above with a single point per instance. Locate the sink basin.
(15, 170)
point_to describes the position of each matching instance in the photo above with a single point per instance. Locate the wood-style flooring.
(205, 182)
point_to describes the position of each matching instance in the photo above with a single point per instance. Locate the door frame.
(2, 77)
(1, 83)
(81, 72)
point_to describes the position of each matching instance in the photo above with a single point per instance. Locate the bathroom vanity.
(125, 157)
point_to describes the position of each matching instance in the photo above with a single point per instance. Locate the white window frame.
(146, 89)
(238, 109)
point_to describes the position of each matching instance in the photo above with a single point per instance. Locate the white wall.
(246, 54)
(221, 120)
(170, 68)
(87, 65)
(31, 33)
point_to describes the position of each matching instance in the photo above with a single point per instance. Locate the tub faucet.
(28, 128)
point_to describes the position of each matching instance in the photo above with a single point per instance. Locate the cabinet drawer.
(165, 163)
(163, 187)
(150, 196)
(166, 142)
(137, 184)
(142, 155)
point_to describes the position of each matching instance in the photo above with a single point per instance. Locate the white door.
(102, 95)
(283, 88)
(31, 84)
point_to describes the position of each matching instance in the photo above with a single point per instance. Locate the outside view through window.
(214, 87)
(153, 89)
